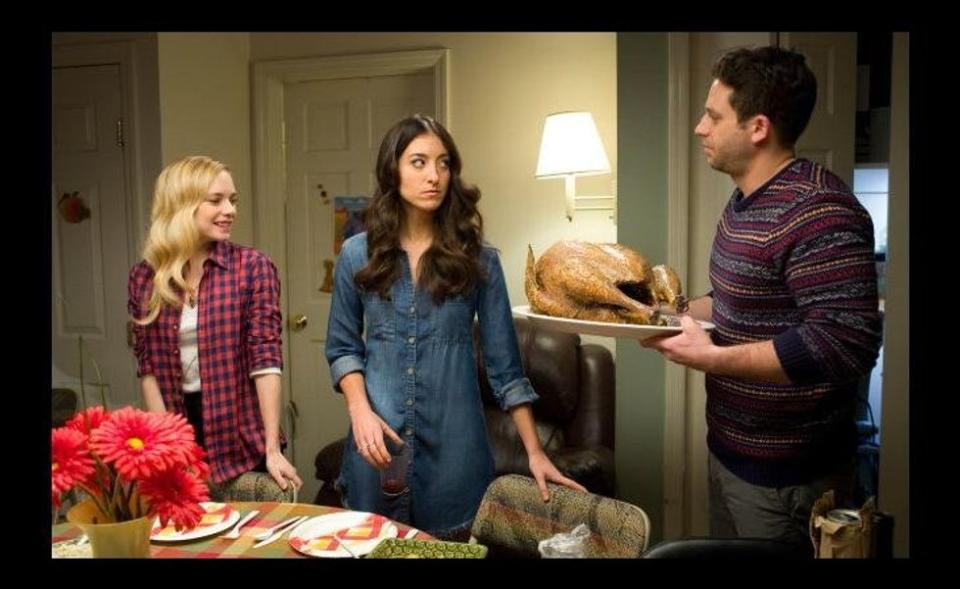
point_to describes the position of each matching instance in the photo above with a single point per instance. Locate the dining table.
(217, 546)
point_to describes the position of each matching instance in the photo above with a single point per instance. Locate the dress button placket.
(412, 355)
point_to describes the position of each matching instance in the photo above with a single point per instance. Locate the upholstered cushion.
(252, 486)
(513, 519)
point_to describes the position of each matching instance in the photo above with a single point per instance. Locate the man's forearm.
(756, 361)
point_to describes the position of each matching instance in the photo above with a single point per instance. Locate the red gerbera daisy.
(139, 444)
(198, 463)
(93, 416)
(175, 495)
(71, 462)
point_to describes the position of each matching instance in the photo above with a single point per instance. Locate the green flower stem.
(116, 500)
(96, 498)
(103, 398)
(135, 499)
(83, 391)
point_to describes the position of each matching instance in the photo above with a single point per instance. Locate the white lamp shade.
(571, 145)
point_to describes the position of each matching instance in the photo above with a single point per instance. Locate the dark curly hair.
(773, 82)
(451, 265)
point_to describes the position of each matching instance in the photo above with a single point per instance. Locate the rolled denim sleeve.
(498, 338)
(345, 348)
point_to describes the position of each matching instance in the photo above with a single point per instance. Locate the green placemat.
(397, 548)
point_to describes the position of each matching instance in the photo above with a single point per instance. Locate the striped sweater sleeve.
(830, 271)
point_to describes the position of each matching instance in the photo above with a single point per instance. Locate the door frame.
(678, 205)
(269, 157)
(893, 491)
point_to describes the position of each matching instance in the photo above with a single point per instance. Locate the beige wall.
(205, 107)
(501, 88)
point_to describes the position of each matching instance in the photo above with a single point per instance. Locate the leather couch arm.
(328, 463)
(591, 466)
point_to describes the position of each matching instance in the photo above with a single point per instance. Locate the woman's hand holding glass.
(368, 431)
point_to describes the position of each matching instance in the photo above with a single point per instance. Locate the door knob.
(298, 322)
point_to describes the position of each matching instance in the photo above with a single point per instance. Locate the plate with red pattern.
(342, 534)
(217, 517)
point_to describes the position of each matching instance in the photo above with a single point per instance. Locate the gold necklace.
(193, 293)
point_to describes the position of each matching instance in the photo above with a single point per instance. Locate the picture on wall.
(347, 218)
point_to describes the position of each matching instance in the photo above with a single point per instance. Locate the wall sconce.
(571, 147)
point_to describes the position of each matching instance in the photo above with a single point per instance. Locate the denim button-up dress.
(420, 373)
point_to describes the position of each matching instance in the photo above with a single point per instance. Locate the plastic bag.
(570, 545)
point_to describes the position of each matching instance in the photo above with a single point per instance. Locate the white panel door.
(333, 132)
(91, 260)
(829, 137)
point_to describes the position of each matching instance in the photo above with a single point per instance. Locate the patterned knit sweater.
(794, 263)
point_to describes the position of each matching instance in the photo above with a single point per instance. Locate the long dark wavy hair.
(451, 265)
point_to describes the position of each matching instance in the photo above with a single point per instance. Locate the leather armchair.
(574, 415)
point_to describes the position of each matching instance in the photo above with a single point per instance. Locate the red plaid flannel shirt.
(238, 331)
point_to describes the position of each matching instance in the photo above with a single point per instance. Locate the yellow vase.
(129, 539)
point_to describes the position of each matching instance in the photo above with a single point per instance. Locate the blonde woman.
(206, 317)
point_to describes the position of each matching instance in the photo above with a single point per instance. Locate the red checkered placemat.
(220, 547)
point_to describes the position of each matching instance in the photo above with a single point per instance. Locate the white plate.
(600, 327)
(322, 535)
(218, 517)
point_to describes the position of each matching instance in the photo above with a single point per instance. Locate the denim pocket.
(453, 320)
(381, 318)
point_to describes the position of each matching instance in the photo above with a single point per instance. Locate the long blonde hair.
(181, 188)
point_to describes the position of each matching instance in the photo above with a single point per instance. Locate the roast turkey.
(601, 282)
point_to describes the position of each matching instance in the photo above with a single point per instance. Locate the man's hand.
(692, 347)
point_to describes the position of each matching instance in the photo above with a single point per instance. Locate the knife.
(282, 530)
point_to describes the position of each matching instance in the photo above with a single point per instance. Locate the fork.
(235, 532)
(281, 532)
(266, 534)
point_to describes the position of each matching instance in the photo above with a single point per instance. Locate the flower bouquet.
(131, 463)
